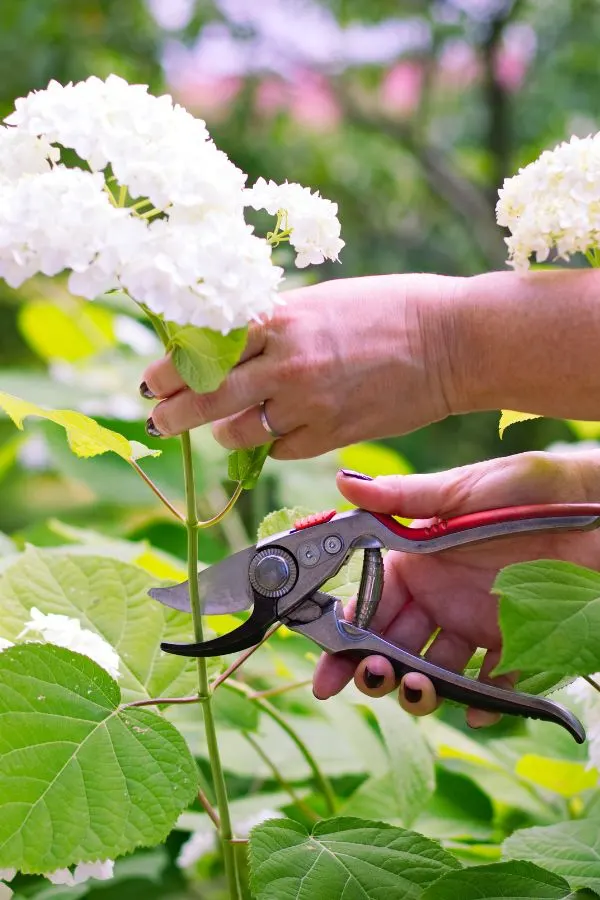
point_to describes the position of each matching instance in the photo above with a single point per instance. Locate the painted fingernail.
(372, 680)
(151, 428)
(413, 695)
(145, 391)
(360, 476)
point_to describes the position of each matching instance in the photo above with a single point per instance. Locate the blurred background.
(407, 113)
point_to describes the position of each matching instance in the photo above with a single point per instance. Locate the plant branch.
(207, 523)
(225, 829)
(241, 659)
(287, 787)
(592, 682)
(162, 701)
(277, 691)
(154, 487)
(319, 776)
(209, 809)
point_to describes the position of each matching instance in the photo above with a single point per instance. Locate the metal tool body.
(281, 577)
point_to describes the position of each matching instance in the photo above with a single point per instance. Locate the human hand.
(450, 590)
(341, 362)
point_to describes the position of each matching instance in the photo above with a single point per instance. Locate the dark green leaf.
(245, 466)
(570, 849)
(500, 881)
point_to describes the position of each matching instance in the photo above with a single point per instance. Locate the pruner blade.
(224, 588)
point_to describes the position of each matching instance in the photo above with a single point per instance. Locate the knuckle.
(161, 416)
(230, 433)
(201, 406)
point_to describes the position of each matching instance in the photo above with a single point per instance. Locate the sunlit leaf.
(86, 438)
(570, 849)
(281, 520)
(509, 417)
(374, 459)
(57, 333)
(560, 776)
(81, 779)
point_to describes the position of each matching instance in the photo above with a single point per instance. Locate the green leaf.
(347, 858)
(245, 466)
(510, 417)
(109, 597)
(550, 617)
(68, 333)
(233, 710)
(560, 776)
(584, 431)
(406, 789)
(204, 357)
(281, 520)
(81, 779)
(500, 881)
(570, 849)
(86, 438)
(374, 459)
(458, 809)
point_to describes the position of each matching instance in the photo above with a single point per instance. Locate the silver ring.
(266, 424)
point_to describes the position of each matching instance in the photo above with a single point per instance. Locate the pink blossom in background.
(307, 98)
(458, 65)
(211, 97)
(401, 88)
(271, 96)
(514, 56)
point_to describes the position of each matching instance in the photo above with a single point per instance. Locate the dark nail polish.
(372, 680)
(151, 428)
(360, 476)
(145, 391)
(413, 695)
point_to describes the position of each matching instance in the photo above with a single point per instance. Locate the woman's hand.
(451, 590)
(341, 362)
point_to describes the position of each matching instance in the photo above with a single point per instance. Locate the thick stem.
(226, 832)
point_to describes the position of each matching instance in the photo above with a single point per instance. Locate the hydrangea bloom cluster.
(158, 210)
(553, 203)
(315, 229)
(67, 632)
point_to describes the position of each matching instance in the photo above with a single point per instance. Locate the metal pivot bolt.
(273, 572)
(371, 588)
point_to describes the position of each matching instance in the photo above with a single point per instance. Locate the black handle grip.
(456, 687)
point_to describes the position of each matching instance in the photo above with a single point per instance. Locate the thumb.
(508, 481)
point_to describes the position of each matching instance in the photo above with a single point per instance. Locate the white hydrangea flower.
(589, 698)
(155, 147)
(7, 874)
(315, 229)
(4, 645)
(553, 203)
(218, 276)
(54, 221)
(243, 828)
(100, 871)
(23, 154)
(67, 632)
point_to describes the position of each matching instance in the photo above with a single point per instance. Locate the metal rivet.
(308, 555)
(332, 544)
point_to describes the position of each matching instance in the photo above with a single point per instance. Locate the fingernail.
(413, 695)
(151, 428)
(372, 680)
(145, 391)
(360, 476)
(474, 727)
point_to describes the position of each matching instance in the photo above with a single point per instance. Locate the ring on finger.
(266, 424)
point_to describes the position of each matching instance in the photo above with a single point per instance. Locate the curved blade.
(224, 588)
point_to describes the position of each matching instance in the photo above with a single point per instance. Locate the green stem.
(204, 693)
(287, 787)
(269, 710)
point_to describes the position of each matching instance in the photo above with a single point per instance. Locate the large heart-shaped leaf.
(86, 438)
(347, 858)
(570, 849)
(502, 881)
(107, 596)
(550, 617)
(80, 778)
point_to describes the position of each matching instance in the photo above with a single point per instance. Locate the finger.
(417, 695)
(413, 496)
(246, 429)
(375, 676)
(479, 718)
(243, 387)
(411, 629)
(332, 674)
(161, 378)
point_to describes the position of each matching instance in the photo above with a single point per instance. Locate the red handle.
(493, 517)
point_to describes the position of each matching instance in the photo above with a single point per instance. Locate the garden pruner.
(280, 579)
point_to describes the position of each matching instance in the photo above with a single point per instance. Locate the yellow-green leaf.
(85, 436)
(584, 431)
(563, 777)
(72, 334)
(510, 417)
(374, 459)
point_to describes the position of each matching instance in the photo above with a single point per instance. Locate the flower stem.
(226, 832)
(157, 491)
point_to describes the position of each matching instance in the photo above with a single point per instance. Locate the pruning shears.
(280, 578)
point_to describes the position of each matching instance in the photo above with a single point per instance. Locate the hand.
(451, 590)
(341, 362)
